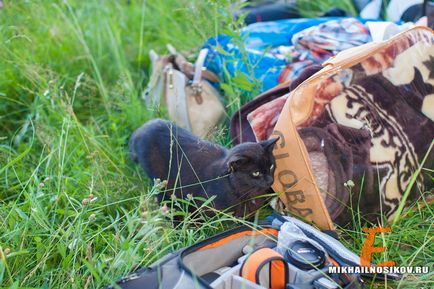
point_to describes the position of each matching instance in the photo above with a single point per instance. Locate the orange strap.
(254, 263)
(223, 241)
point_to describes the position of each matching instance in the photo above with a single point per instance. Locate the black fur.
(204, 169)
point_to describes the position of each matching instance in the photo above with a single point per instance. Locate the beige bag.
(192, 102)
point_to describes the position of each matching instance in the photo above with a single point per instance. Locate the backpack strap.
(278, 268)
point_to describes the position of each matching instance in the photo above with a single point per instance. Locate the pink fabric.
(264, 118)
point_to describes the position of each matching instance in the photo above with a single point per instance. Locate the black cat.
(237, 177)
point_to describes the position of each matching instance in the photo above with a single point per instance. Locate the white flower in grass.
(159, 184)
(92, 217)
(349, 184)
(73, 244)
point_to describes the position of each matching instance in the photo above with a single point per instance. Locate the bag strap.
(294, 178)
(278, 274)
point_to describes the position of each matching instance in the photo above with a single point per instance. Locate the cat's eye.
(256, 174)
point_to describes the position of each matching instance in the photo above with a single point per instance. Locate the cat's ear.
(235, 162)
(268, 145)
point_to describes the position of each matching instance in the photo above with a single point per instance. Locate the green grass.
(71, 73)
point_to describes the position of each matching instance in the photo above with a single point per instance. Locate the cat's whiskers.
(195, 184)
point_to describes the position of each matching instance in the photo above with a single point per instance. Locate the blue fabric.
(250, 54)
(274, 33)
(266, 66)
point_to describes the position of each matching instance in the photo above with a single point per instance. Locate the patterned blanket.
(371, 123)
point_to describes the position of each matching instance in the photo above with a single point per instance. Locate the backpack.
(280, 253)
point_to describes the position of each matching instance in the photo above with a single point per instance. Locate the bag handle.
(199, 65)
(196, 83)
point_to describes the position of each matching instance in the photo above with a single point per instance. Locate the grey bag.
(243, 258)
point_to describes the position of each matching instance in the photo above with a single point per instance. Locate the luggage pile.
(354, 116)
(352, 103)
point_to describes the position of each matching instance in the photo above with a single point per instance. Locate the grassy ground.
(70, 77)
